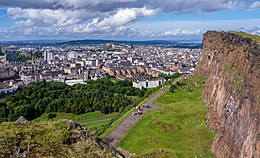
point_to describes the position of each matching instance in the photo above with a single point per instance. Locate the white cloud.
(24, 23)
(251, 30)
(105, 18)
(47, 17)
(111, 5)
(179, 31)
(255, 5)
(114, 22)
(114, 13)
(123, 16)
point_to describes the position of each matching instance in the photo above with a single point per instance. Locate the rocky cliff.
(232, 65)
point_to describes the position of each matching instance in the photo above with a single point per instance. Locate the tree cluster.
(46, 97)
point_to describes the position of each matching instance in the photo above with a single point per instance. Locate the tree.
(141, 93)
(41, 105)
(41, 97)
(77, 109)
(3, 112)
(27, 112)
(106, 109)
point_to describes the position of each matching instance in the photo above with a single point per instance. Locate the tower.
(86, 75)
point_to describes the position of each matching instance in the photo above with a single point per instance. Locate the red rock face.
(232, 65)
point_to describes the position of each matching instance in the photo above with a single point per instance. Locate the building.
(10, 57)
(148, 83)
(73, 55)
(73, 82)
(48, 56)
(91, 62)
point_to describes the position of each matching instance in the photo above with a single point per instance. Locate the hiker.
(139, 112)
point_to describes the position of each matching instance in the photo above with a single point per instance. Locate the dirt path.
(114, 137)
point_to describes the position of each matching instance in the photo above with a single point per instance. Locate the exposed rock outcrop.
(232, 65)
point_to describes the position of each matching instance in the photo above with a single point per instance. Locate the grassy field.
(253, 37)
(176, 128)
(74, 117)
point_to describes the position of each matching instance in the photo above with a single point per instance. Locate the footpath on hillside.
(115, 136)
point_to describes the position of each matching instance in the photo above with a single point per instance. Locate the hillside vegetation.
(251, 36)
(77, 118)
(61, 138)
(45, 97)
(175, 127)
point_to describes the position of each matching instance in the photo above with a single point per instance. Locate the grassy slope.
(253, 37)
(97, 123)
(177, 127)
(83, 119)
(74, 117)
(45, 139)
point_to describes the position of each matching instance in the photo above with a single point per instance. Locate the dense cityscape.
(143, 65)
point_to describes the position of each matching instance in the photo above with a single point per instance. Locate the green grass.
(97, 123)
(177, 127)
(74, 117)
(253, 37)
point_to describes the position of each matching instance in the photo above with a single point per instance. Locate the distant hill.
(100, 41)
(165, 43)
(30, 42)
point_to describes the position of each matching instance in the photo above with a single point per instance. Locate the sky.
(125, 19)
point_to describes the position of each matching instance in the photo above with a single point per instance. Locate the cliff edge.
(232, 65)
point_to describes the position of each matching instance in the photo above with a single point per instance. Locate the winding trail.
(115, 136)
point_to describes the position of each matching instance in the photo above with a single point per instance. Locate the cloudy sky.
(125, 19)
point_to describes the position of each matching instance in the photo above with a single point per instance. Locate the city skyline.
(125, 19)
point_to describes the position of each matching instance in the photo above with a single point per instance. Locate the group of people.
(138, 109)
(164, 88)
